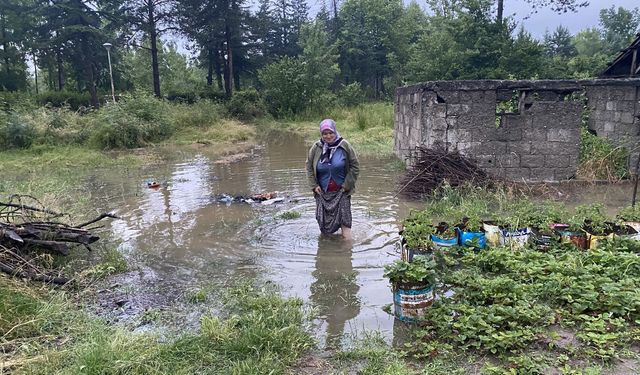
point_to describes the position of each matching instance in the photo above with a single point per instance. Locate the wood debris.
(31, 233)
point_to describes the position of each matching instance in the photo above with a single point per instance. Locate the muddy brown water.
(181, 237)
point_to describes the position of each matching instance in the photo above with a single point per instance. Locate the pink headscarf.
(329, 149)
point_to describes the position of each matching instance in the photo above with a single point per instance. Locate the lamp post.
(113, 91)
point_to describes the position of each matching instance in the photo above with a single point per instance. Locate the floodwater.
(181, 237)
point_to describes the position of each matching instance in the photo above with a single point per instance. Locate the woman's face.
(328, 136)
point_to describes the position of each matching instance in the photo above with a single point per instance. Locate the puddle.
(182, 237)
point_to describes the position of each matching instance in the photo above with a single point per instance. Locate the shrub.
(285, 89)
(212, 93)
(246, 105)
(188, 97)
(152, 114)
(201, 114)
(321, 101)
(15, 132)
(75, 100)
(351, 94)
(62, 126)
(16, 101)
(117, 128)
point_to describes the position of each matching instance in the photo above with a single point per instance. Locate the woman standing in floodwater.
(332, 171)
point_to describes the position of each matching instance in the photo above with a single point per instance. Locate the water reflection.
(334, 291)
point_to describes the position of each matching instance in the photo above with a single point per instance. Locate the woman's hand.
(317, 190)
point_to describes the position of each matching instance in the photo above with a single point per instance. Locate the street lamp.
(113, 91)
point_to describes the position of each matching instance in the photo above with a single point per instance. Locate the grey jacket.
(353, 166)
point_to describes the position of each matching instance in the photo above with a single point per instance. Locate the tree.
(14, 25)
(560, 43)
(151, 18)
(217, 27)
(619, 27)
(292, 85)
(523, 56)
(73, 31)
(370, 36)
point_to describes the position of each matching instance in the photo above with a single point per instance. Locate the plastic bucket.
(469, 239)
(543, 241)
(579, 239)
(593, 239)
(410, 302)
(491, 234)
(633, 224)
(440, 242)
(515, 238)
(408, 254)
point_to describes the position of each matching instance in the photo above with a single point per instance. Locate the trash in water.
(262, 198)
(152, 184)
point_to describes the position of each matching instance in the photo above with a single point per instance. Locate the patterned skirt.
(333, 210)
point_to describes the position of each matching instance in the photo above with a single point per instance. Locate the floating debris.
(264, 198)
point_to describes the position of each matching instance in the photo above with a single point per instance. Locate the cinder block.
(560, 135)
(556, 161)
(532, 161)
(511, 160)
(542, 174)
(517, 174)
(565, 173)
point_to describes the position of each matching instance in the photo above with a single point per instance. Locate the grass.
(260, 333)
(368, 127)
(289, 215)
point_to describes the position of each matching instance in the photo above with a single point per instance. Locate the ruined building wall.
(520, 130)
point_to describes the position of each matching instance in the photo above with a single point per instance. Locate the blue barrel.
(443, 242)
(473, 239)
(411, 302)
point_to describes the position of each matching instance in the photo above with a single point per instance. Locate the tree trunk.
(5, 45)
(153, 36)
(35, 71)
(218, 66)
(228, 67)
(61, 81)
(210, 58)
(236, 79)
(90, 82)
(335, 20)
(500, 11)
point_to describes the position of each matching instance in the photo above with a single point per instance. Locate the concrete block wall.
(537, 139)
(614, 112)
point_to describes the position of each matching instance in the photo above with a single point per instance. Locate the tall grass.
(601, 159)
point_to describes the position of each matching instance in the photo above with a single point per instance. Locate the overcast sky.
(545, 19)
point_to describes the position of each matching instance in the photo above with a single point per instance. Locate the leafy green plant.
(595, 220)
(420, 271)
(446, 231)
(472, 224)
(630, 213)
(417, 234)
